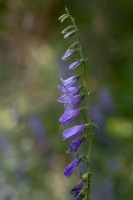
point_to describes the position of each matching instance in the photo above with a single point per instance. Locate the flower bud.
(69, 34)
(67, 29)
(86, 176)
(63, 17)
(82, 194)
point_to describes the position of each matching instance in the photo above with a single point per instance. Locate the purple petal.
(64, 98)
(79, 198)
(68, 107)
(77, 189)
(70, 99)
(76, 100)
(67, 54)
(71, 167)
(62, 89)
(70, 90)
(75, 144)
(74, 64)
(73, 132)
(70, 81)
(69, 116)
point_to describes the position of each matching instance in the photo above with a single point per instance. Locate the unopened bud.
(70, 34)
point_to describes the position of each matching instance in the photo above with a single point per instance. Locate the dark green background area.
(31, 47)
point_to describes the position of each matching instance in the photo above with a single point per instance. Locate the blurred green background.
(32, 152)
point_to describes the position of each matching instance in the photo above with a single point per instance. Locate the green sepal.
(67, 29)
(86, 176)
(69, 34)
(82, 193)
(92, 124)
(83, 158)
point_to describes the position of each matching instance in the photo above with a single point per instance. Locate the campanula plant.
(75, 97)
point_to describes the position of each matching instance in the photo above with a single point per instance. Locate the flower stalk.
(72, 97)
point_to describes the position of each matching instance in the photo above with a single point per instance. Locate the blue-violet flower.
(69, 116)
(73, 132)
(70, 81)
(75, 64)
(75, 144)
(70, 99)
(77, 189)
(67, 54)
(69, 90)
(71, 167)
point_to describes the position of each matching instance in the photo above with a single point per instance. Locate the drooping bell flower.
(70, 99)
(69, 116)
(71, 167)
(70, 90)
(70, 81)
(77, 189)
(75, 64)
(73, 132)
(68, 54)
(75, 144)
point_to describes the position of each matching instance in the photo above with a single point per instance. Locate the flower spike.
(73, 91)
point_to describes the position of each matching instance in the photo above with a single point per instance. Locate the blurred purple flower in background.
(39, 133)
(100, 111)
(5, 146)
(105, 100)
(20, 170)
(97, 115)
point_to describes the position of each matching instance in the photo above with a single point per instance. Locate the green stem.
(87, 114)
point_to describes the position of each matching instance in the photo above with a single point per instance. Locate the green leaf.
(95, 125)
(83, 158)
(95, 172)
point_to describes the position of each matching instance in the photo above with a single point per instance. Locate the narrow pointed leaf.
(95, 125)
(95, 172)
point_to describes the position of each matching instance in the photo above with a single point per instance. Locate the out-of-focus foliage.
(32, 153)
